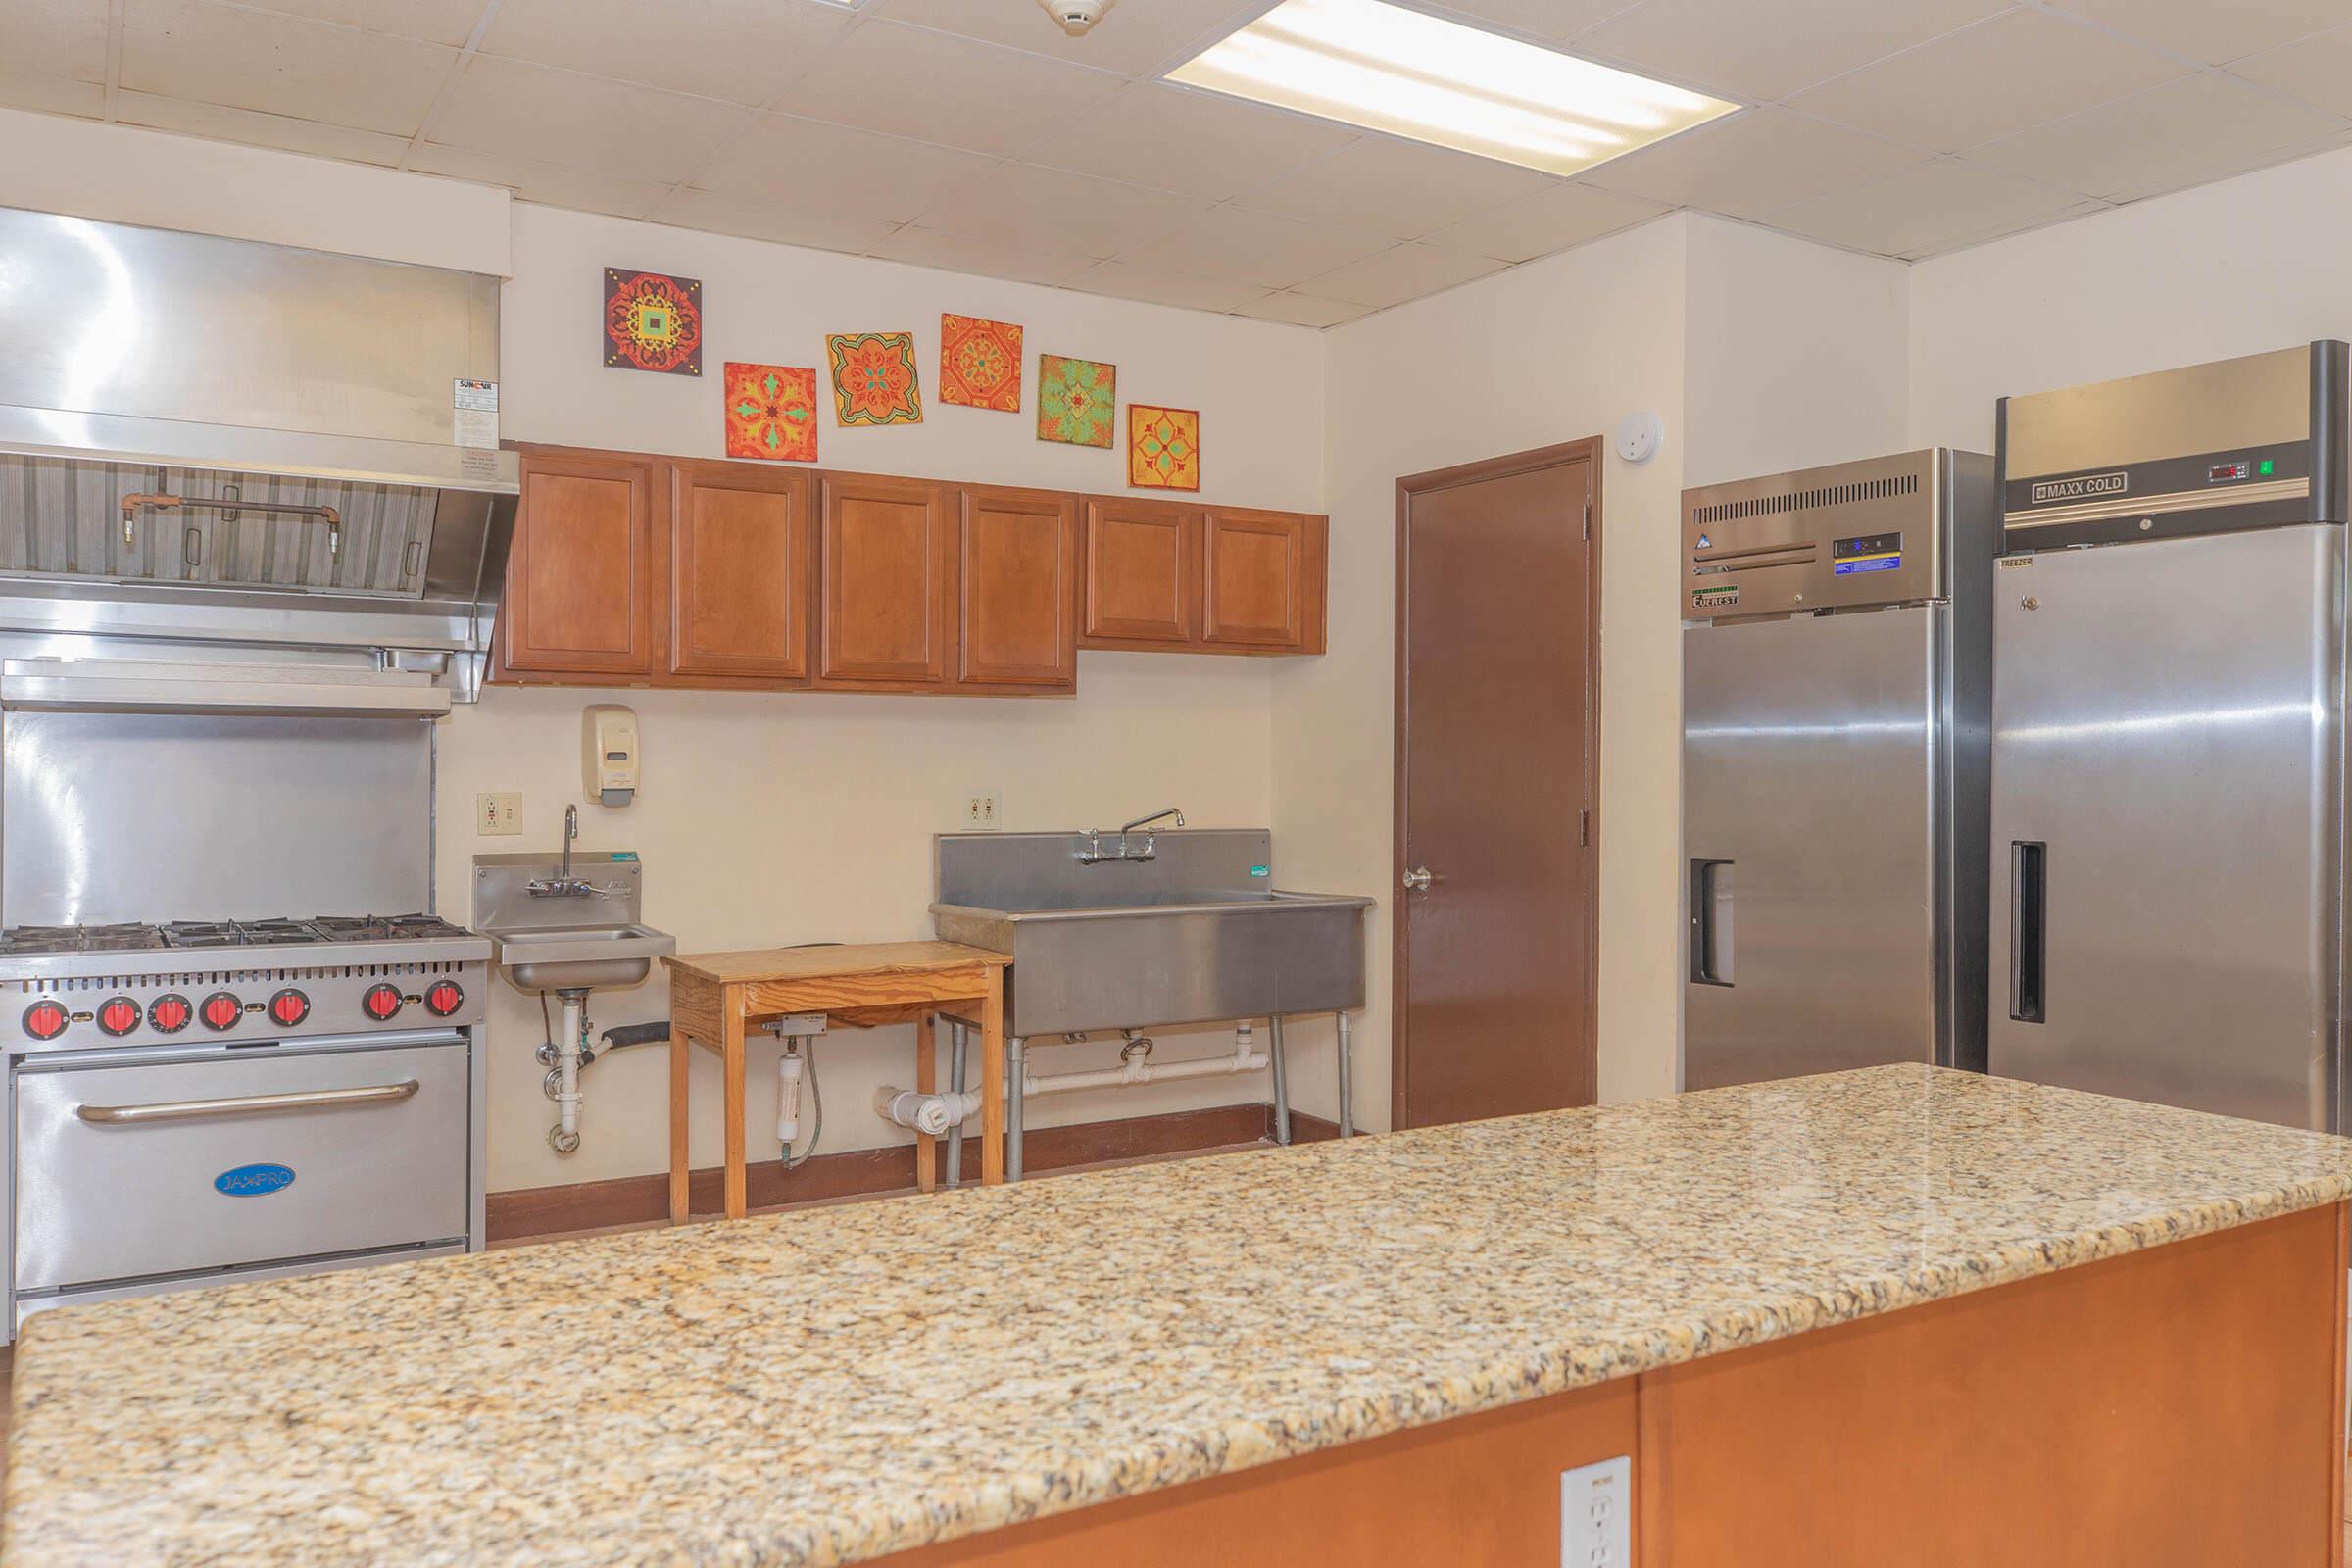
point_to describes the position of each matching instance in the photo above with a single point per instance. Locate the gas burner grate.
(48, 939)
(276, 933)
(384, 927)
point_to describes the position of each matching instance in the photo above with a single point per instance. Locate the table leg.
(959, 1044)
(681, 1064)
(730, 1023)
(992, 1080)
(926, 1081)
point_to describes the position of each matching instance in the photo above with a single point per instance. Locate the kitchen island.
(1891, 1315)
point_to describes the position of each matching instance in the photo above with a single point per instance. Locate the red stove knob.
(44, 1020)
(444, 999)
(168, 1014)
(381, 1002)
(289, 1007)
(119, 1016)
(221, 1010)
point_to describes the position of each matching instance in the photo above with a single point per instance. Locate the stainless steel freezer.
(2168, 799)
(1836, 688)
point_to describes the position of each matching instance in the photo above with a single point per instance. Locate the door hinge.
(1588, 519)
(1584, 828)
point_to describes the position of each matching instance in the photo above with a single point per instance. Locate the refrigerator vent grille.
(1835, 495)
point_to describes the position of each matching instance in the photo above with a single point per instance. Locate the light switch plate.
(497, 815)
(1597, 1515)
(983, 811)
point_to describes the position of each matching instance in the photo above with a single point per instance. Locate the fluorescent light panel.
(1385, 68)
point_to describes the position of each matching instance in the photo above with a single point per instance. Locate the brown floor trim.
(637, 1199)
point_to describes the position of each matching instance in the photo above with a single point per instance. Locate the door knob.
(1417, 879)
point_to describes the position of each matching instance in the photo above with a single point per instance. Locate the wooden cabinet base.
(2181, 1408)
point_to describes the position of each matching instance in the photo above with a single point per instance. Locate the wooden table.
(716, 997)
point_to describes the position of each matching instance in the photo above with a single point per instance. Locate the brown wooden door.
(1496, 757)
(884, 561)
(579, 580)
(1017, 569)
(1254, 577)
(1143, 573)
(740, 547)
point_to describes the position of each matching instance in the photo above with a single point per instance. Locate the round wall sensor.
(1639, 434)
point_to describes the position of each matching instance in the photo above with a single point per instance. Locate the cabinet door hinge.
(1584, 828)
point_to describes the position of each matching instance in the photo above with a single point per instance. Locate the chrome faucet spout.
(1126, 828)
(1092, 853)
(571, 830)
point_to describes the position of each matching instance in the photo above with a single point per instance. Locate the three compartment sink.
(1193, 935)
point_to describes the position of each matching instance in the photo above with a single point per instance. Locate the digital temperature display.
(2224, 472)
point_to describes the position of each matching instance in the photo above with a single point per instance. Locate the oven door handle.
(246, 1104)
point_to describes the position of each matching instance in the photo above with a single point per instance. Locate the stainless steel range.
(203, 1100)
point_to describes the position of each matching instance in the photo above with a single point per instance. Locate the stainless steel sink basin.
(580, 957)
(1193, 935)
(589, 936)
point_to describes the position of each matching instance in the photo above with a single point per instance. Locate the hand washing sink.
(580, 957)
(1193, 935)
(576, 925)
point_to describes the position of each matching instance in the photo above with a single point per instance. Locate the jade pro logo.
(2096, 485)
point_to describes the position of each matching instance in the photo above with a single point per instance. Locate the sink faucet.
(1092, 851)
(564, 885)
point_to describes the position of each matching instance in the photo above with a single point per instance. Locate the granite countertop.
(829, 1385)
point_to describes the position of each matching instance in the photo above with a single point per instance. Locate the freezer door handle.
(1711, 922)
(2029, 928)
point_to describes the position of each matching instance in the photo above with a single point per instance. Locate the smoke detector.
(1077, 18)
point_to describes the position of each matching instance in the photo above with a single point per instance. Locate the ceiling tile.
(1923, 208)
(586, 123)
(725, 214)
(52, 95)
(260, 131)
(1769, 51)
(1397, 189)
(53, 38)
(1302, 310)
(782, 162)
(1997, 77)
(909, 81)
(2317, 70)
(2082, 209)
(1402, 272)
(1165, 288)
(1136, 38)
(1549, 220)
(449, 22)
(926, 247)
(1237, 245)
(745, 51)
(1753, 163)
(1197, 143)
(1546, 19)
(280, 64)
(1020, 204)
(2215, 32)
(543, 182)
(2158, 138)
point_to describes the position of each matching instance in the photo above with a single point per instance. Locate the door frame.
(1592, 449)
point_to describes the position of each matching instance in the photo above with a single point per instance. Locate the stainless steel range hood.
(227, 467)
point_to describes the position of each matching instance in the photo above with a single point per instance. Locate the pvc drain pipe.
(932, 1114)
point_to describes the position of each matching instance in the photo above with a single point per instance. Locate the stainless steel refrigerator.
(2169, 778)
(1836, 682)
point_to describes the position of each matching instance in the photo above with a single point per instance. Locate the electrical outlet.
(1597, 1515)
(495, 815)
(983, 811)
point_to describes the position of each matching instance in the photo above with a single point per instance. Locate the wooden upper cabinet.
(1143, 573)
(578, 581)
(884, 561)
(1016, 573)
(1261, 577)
(739, 558)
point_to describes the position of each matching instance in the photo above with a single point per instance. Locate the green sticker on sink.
(1257, 870)
(625, 854)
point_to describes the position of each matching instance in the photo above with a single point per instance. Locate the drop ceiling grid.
(2149, 112)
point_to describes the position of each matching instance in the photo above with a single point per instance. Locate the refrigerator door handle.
(1711, 922)
(2029, 928)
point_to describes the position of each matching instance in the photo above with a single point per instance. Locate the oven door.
(132, 1163)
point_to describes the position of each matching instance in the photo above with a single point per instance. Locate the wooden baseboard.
(635, 1200)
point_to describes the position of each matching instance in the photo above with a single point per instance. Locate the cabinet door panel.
(1254, 578)
(884, 561)
(578, 591)
(1143, 581)
(1016, 565)
(740, 544)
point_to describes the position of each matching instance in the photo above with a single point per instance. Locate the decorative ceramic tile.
(875, 378)
(653, 321)
(980, 363)
(771, 412)
(1076, 400)
(1163, 448)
